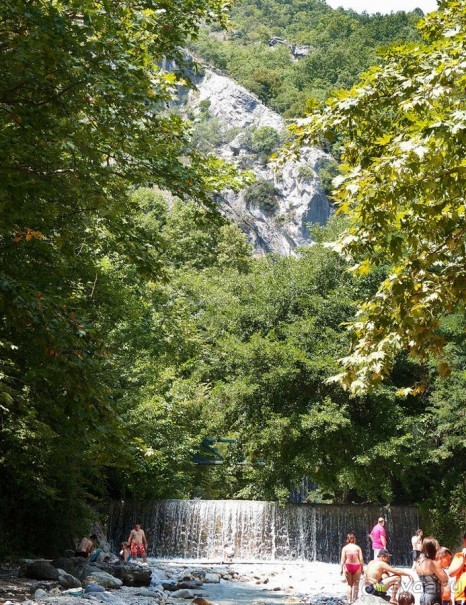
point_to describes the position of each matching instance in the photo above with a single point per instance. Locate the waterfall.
(260, 531)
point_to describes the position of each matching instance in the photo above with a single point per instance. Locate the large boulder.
(40, 570)
(212, 578)
(104, 579)
(67, 580)
(84, 569)
(66, 563)
(129, 574)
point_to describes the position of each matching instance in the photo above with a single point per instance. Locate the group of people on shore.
(134, 547)
(442, 576)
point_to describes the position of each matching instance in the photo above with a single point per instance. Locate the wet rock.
(327, 599)
(184, 593)
(365, 599)
(128, 573)
(193, 574)
(103, 579)
(212, 578)
(84, 569)
(169, 585)
(54, 592)
(40, 594)
(73, 592)
(106, 597)
(66, 563)
(192, 584)
(93, 588)
(67, 580)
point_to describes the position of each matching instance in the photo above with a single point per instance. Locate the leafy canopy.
(83, 120)
(403, 188)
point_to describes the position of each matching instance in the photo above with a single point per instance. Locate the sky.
(384, 6)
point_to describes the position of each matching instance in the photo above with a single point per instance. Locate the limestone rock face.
(298, 197)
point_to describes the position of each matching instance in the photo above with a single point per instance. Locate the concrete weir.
(259, 531)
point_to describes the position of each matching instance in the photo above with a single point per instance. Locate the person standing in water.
(352, 564)
(378, 537)
(138, 543)
(457, 570)
(430, 573)
(416, 542)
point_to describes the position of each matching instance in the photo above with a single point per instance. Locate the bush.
(327, 173)
(265, 140)
(305, 172)
(262, 194)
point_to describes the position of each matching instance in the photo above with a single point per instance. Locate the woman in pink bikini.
(352, 565)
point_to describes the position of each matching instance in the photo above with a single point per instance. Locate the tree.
(403, 188)
(83, 120)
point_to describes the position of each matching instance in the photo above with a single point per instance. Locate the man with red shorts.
(138, 543)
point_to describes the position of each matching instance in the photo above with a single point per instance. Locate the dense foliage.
(403, 187)
(81, 123)
(258, 49)
(243, 348)
(135, 321)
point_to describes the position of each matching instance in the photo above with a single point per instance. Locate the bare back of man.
(380, 577)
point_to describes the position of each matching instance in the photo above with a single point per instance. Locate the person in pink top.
(378, 537)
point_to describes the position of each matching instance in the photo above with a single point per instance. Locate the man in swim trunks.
(138, 543)
(380, 577)
(378, 536)
(457, 570)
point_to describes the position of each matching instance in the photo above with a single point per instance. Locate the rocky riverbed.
(76, 582)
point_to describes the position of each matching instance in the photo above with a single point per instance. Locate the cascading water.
(262, 531)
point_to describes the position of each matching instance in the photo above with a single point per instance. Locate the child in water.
(125, 552)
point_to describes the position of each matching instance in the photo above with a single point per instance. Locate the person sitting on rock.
(380, 577)
(86, 546)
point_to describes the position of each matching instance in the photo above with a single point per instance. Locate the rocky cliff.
(235, 125)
